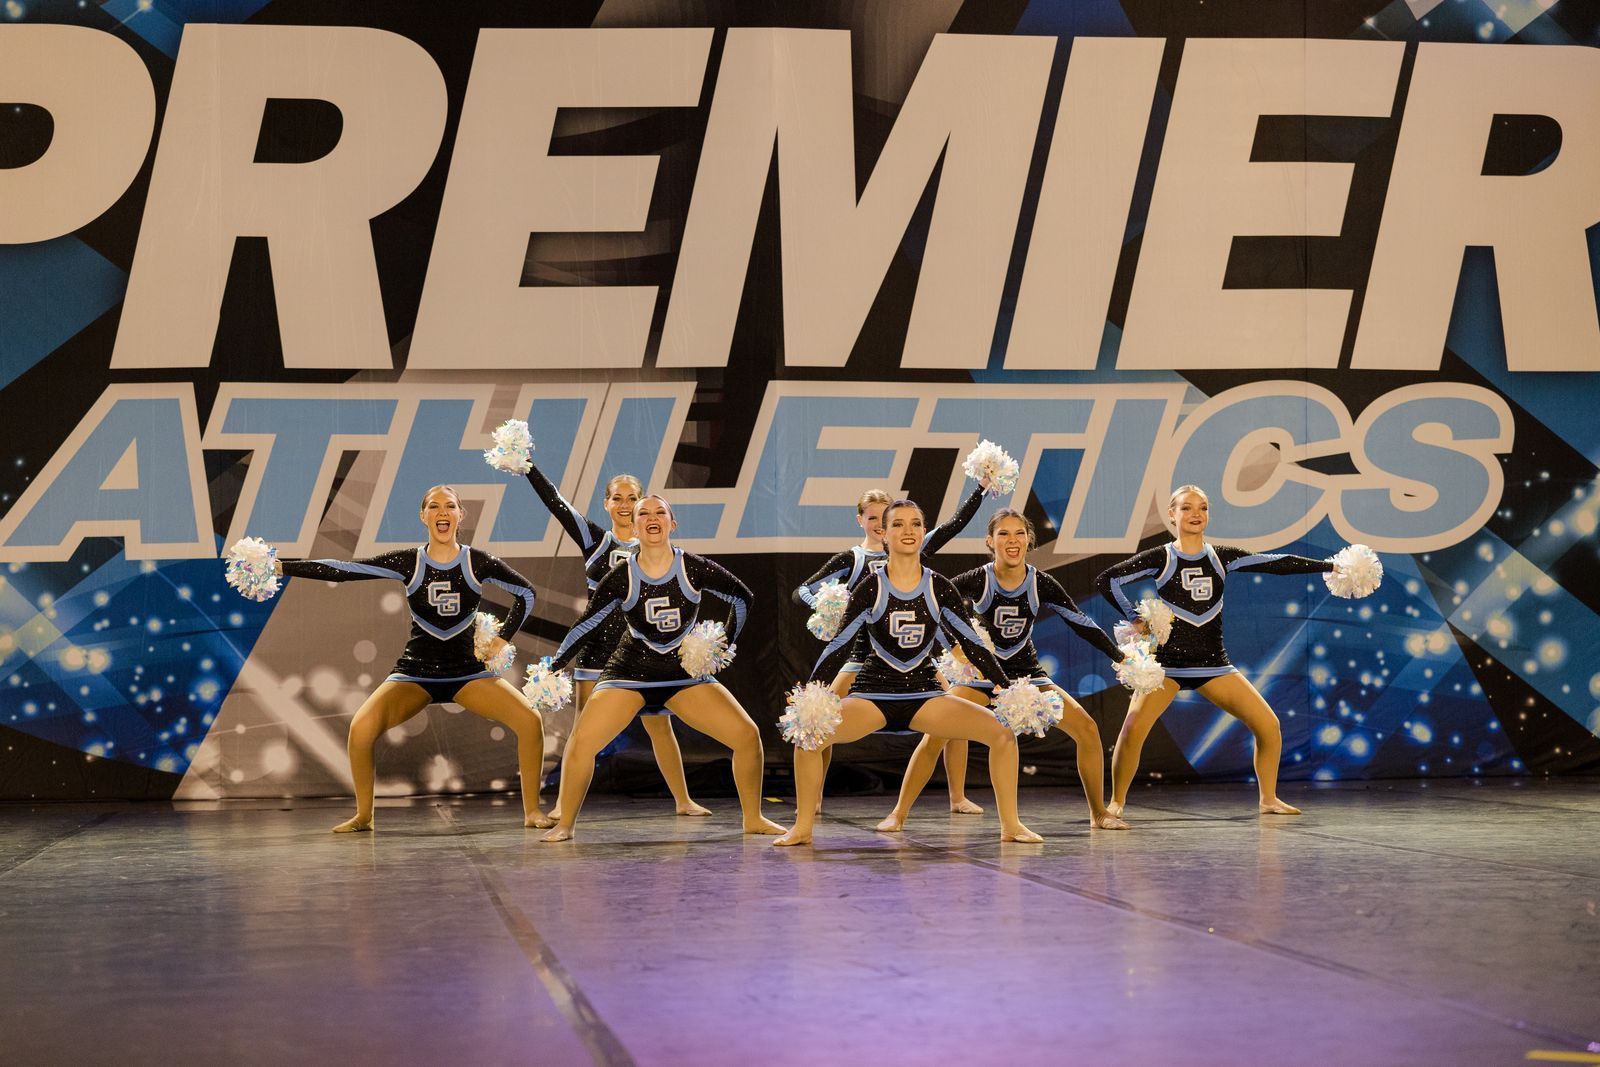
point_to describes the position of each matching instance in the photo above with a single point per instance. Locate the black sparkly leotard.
(444, 599)
(656, 613)
(1191, 585)
(601, 550)
(901, 628)
(1009, 616)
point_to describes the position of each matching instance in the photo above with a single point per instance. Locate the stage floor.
(1394, 923)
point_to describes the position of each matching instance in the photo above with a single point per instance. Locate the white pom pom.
(990, 461)
(704, 650)
(248, 567)
(1024, 708)
(512, 447)
(485, 628)
(827, 613)
(811, 717)
(1139, 669)
(1157, 618)
(1357, 572)
(547, 690)
(956, 670)
(983, 633)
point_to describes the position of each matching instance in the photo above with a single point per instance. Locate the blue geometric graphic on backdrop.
(161, 22)
(53, 289)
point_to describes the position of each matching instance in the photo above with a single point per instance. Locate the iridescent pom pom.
(249, 568)
(485, 628)
(990, 461)
(1157, 617)
(1139, 670)
(811, 717)
(513, 445)
(1024, 708)
(704, 650)
(1357, 572)
(547, 690)
(827, 613)
(956, 670)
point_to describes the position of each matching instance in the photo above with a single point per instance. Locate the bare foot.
(1107, 821)
(555, 813)
(1277, 807)
(891, 824)
(793, 837)
(537, 820)
(560, 833)
(354, 824)
(819, 808)
(761, 826)
(964, 807)
(1020, 834)
(689, 807)
(1114, 808)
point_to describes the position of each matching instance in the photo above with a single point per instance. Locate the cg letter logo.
(1007, 622)
(1196, 581)
(904, 629)
(443, 600)
(658, 614)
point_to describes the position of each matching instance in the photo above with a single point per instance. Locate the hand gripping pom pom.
(956, 671)
(547, 690)
(249, 569)
(1357, 572)
(485, 628)
(512, 446)
(1139, 670)
(1157, 618)
(1024, 708)
(811, 717)
(990, 461)
(705, 650)
(827, 613)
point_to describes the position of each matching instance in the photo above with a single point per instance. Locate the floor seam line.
(47, 846)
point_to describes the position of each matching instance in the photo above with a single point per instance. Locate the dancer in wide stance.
(850, 567)
(1009, 595)
(1189, 575)
(444, 582)
(660, 591)
(603, 549)
(903, 608)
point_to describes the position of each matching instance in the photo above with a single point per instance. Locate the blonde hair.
(638, 486)
(442, 489)
(1013, 513)
(664, 500)
(1172, 501)
(871, 497)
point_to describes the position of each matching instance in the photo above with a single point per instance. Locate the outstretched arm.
(579, 528)
(1111, 581)
(1238, 559)
(397, 566)
(836, 569)
(947, 530)
(1054, 597)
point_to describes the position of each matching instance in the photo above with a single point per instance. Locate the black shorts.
(1195, 682)
(898, 709)
(439, 690)
(655, 696)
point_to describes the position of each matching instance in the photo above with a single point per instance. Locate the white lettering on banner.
(974, 107)
(1425, 456)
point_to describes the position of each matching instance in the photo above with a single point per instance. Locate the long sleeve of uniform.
(606, 599)
(1054, 597)
(396, 566)
(1239, 559)
(837, 653)
(491, 570)
(947, 530)
(1110, 583)
(953, 620)
(579, 528)
(714, 579)
(836, 569)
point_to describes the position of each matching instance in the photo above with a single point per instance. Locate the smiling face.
(442, 514)
(1190, 511)
(904, 529)
(870, 519)
(1009, 541)
(622, 499)
(652, 521)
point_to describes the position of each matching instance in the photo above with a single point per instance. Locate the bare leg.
(1234, 694)
(858, 718)
(497, 699)
(1076, 724)
(955, 774)
(580, 694)
(918, 771)
(953, 717)
(391, 704)
(841, 689)
(669, 757)
(711, 709)
(1143, 712)
(605, 716)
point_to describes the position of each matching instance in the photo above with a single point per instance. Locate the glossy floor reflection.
(1397, 923)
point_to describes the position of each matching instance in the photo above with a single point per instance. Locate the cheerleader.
(1009, 595)
(444, 582)
(603, 549)
(1189, 575)
(849, 567)
(660, 591)
(904, 609)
